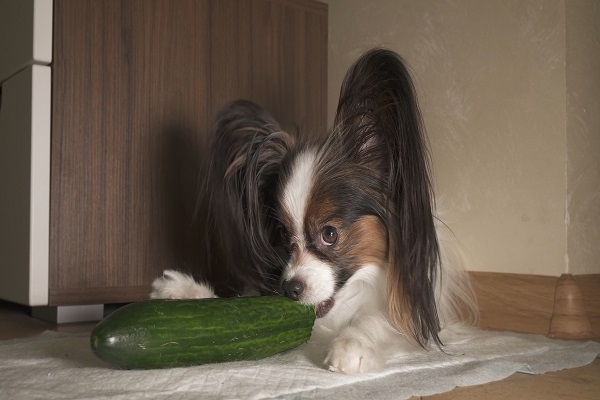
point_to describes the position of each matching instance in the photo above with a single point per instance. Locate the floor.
(577, 383)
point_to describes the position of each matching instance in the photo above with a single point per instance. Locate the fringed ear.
(379, 122)
(247, 149)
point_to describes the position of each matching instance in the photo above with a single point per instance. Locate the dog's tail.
(455, 296)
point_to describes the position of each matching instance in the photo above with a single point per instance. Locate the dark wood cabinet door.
(135, 86)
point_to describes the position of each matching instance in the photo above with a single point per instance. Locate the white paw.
(350, 356)
(177, 285)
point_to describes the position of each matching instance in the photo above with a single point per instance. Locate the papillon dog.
(346, 223)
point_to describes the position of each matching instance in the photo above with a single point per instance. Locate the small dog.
(346, 223)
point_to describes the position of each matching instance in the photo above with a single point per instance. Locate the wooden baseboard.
(526, 303)
(590, 288)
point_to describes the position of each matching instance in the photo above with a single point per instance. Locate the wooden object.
(530, 303)
(514, 302)
(569, 319)
(135, 86)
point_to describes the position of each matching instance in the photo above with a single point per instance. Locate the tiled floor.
(578, 383)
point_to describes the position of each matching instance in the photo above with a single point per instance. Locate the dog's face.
(328, 215)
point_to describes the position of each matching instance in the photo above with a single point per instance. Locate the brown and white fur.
(347, 224)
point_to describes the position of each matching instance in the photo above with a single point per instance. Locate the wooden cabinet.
(135, 84)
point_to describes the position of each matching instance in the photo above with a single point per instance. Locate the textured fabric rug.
(62, 366)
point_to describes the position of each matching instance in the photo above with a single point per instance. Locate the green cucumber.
(177, 333)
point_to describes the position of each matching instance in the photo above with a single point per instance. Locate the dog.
(346, 223)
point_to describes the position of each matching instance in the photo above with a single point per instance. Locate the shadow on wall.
(185, 215)
(182, 155)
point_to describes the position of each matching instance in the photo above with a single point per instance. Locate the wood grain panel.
(98, 295)
(130, 79)
(231, 52)
(514, 302)
(526, 303)
(274, 53)
(299, 60)
(289, 62)
(136, 84)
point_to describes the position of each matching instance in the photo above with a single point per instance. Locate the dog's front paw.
(350, 356)
(177, 285)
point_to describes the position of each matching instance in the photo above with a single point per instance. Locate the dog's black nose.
(292, 288)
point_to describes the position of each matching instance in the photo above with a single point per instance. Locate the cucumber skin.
(177, 333)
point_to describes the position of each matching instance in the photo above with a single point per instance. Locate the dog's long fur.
(347, 224)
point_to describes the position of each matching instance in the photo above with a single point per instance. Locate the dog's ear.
(378, 121)
(247, 148)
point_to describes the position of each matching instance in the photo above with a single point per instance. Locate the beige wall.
(583, 135)
(492, 79)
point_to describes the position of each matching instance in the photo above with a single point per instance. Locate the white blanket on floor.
(62, 366)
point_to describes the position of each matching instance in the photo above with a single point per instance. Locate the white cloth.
(62, 366)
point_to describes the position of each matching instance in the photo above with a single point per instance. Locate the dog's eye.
(329, 235)
(283, 234)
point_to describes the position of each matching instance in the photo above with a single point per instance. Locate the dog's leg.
(361, 346)
(177, 285)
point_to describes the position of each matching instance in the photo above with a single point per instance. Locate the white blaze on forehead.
(297, 189)
(317, 276)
